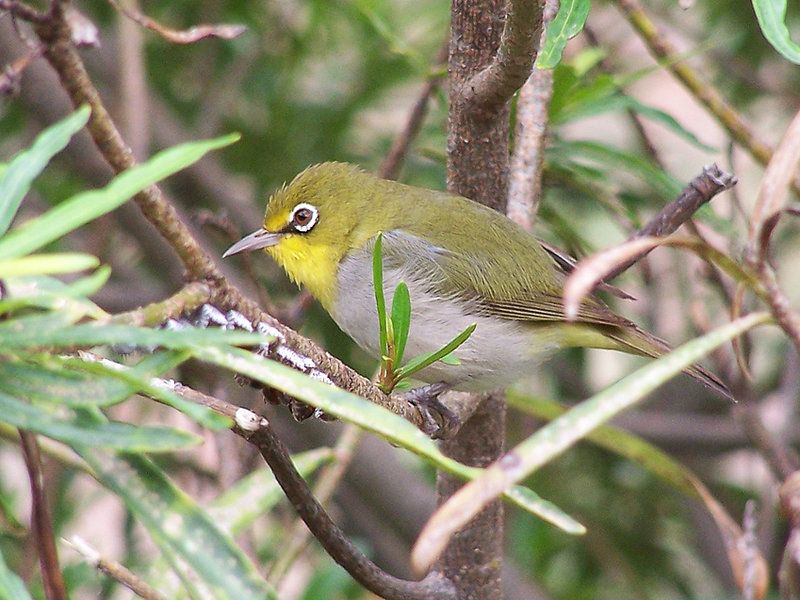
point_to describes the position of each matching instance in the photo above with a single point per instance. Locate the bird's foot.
(438, 421)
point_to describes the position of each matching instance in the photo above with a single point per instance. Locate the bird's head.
(312, 223)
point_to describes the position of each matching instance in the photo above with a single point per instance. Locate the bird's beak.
(255, 241)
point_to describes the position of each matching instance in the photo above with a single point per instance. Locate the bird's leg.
(439, 422)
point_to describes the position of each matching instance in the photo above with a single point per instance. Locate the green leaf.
(771, 15)
(618, 102)
(49, 383)
(183, 531)
(424, 360)
(28, 332)
(368, 416)
(567, 24)
(141, 379)
(661, 182)
(561, 433)
(50, 293)
(47, 264)
(87, 206)
(16, 178)
(258, 492)
(380, 300)
(11, 586)
(76, 431)
(616, 440)
(401, 320)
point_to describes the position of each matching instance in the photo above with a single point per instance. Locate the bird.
(463, 263)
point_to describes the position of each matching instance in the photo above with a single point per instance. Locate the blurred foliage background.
(334, 80)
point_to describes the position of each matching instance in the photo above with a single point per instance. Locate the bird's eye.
(303, 218)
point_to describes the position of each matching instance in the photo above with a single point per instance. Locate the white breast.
(498, 352)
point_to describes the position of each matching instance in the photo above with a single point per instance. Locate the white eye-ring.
(303, 217)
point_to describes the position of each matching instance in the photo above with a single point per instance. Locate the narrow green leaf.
(561, 433)
(89, 285)
(48, 383)
(11, 586)
(86, 206)
(616, 440)
(27, 332)
(661, 182)
(75, 431)
(616, 102)
(450, 359)
(258, 492)
(380, 300)
(567, 24)
(179, 527)
(424, 360)
(141, 379)
(47, 264)
(49, 293)
(401, 319)
(16, 178)
(366, 415)
(771, 15)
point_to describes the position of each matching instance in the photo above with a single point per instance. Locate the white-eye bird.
(463, 263)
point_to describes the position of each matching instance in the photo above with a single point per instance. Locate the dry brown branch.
(391, 164)
(115, 570)
(41, 523)
(327, 483)
(188, 36)
(527, 158)
(610, 263)
(257, 431)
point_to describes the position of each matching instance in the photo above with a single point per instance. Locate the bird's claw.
(438, 421)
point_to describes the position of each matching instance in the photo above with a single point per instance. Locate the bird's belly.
(497, 353)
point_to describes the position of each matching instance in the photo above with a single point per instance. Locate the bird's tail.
(638, 341)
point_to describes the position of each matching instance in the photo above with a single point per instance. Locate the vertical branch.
(530, 136)
(53, 581)
(484, 72)
(134, 112)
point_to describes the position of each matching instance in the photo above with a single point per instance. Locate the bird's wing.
(451, 273)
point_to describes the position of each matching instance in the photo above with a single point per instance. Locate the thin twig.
(527, 158)
(700, 190)
(41, 523)
(326, 484)
(115, 570)
(190, 297)
(12, 74)
(62, 56)
(638, 126)
(391, 164)
(257, 431)
(188, 36)
(23, 11)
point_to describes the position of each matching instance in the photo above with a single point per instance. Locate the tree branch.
(42, 525)
(257, 431)
(390, 166)
(493, 86)
(527, 158)
(115, 570)
(55, 33)
(698, 191)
